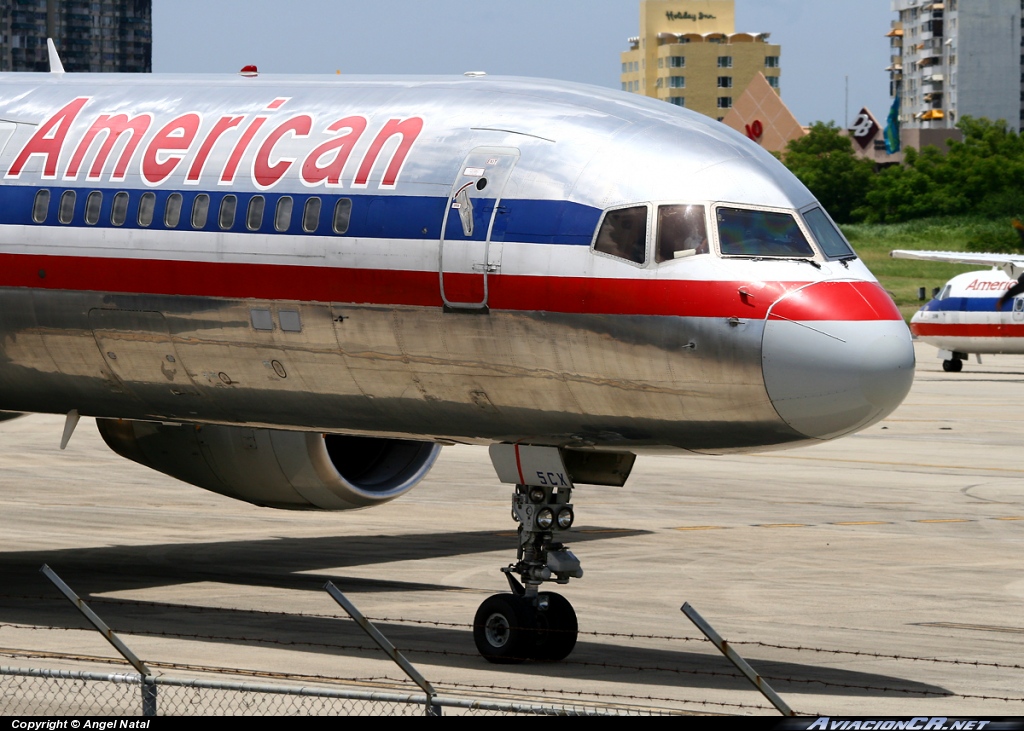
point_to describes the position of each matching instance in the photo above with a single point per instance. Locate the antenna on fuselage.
(56, 67)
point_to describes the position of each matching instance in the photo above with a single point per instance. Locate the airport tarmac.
(819, 564)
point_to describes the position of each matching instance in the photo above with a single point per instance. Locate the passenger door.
(466, 256)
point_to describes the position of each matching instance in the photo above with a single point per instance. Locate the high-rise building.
(957, 58)
(96, 36)
(689, 53)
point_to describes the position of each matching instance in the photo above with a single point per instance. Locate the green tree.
(982, 175)
(824, 161)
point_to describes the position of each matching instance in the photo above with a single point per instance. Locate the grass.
(903, 277)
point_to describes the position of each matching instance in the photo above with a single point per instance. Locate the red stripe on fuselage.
(688, 298)
(855, 300)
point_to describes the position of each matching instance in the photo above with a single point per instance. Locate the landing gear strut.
(529, 624)
(955, 362)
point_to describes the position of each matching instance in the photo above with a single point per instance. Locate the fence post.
(148, 680)
(734, 657)
(433, 709)
(149, 696)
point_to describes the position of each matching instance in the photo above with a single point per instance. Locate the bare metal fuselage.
(418, 320)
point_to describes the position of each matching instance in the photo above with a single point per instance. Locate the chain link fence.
(40, 692)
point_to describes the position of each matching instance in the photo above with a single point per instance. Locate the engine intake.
(277, 469)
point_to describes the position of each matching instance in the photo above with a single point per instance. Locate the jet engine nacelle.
(273, 468)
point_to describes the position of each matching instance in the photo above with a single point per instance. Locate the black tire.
(504, 629)
(557, 629)
(953, 365)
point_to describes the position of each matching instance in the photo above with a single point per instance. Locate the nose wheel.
(529, 624)
(509, 629)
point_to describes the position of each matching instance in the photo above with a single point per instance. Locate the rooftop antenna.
(846, 108)
(56, 67)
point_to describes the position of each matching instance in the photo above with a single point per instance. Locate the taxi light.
(545, 519)
(565, 518)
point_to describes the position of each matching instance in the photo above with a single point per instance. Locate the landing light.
(545, 519)
(565, 518)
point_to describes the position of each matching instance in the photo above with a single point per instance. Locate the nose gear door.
(466, 254)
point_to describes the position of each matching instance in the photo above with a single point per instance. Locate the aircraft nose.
(836, 357)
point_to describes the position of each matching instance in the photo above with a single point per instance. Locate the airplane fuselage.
(427, 259)
(964, 317)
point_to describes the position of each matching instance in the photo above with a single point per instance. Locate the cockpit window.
(623, 233)
(829, 238)
(682, 231)
(744, 232)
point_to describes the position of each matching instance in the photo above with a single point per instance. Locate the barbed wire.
(387, 681)
(623, 696)
(616, 635)
(326, 615)
(604, 665)
(574, 662)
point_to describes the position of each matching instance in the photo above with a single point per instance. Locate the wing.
(1012, 264)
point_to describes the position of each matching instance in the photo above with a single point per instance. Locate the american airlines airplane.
(977, 312)
(294, 291)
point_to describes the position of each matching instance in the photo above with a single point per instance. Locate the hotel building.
(688, 53)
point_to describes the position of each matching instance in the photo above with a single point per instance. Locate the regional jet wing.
(1012, 264)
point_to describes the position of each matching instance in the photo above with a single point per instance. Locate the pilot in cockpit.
(682, 232)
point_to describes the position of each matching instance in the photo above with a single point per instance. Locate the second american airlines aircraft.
(293, 291)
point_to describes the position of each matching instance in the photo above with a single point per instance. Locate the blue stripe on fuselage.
(372, 216)
(963, 304)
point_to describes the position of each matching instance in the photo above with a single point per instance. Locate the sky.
(824, 42)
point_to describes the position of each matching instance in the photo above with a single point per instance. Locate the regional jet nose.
(836, 357)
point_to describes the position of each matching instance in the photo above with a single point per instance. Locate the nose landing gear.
(528, 624)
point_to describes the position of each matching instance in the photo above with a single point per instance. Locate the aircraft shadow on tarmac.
(276, 563)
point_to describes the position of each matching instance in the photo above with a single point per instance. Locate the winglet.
(56, 67)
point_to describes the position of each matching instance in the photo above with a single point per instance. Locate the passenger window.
(623, 233)
(311, 216)
(172, 211)
(829, 238)
(757, 234)
(254, 216)
(66, 211)
(200, 210)
(41, 206)
(147, 205)
(682, 231)
(283, 216)
(119, 209)
(342, 214)
(93, 203)
(228, 204)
